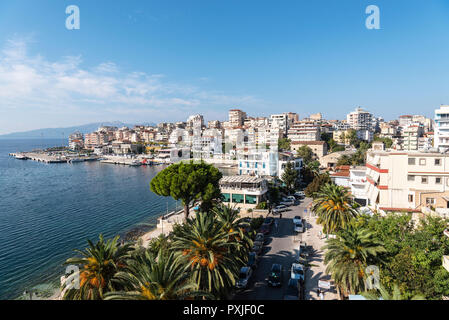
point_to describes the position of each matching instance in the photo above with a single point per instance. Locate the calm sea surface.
(47, 210)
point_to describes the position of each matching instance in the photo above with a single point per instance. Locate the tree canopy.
(290, 176)
(189, 182)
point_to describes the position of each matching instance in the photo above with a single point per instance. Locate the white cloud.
(29, 83)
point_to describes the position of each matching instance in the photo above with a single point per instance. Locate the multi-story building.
(76, 141)
(236, 117)
(304, 131)
(319, 148)
(316, 117)
(410, 181)
(410, 136)
(266, 163)
(441, 139)
(357, 183)
(280, 121)
(195, 122)
(242, 191)
(360, 119)
(405, 120)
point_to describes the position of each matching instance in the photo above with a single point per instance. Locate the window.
(410, 178)
(430, 201)
(422, 162)
(225, 197)
(237, 198)
(423, 179)
(438, 180)
(410, 198)
(250, 199)
(411, 161)
(437, 162)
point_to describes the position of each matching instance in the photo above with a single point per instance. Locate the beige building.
(319, 148)
(407, 181)
(236, 117)
(304, 131)
(316, 116)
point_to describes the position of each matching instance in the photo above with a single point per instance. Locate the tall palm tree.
(382, 293)
(333, 205)
(348, 255)
(148, 276)
(99, 263)
(207, 252)
(231, 221)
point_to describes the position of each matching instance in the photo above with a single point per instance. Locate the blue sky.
(158, 61)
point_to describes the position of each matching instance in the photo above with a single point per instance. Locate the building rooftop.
(309, 142)
(242, 179)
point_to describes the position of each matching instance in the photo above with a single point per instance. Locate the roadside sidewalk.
(316, 273)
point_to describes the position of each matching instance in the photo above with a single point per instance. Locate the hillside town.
(402, 168)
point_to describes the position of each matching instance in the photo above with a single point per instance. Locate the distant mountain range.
(58, 133)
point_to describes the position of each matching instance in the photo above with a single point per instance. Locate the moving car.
(244, 276)
(275, 276)
(299, 227)
(252, 260)
(292, 292)
(297, 219)
(297, 272)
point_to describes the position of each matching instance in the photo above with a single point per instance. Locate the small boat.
(21, 157)
(73, 160)
(135, 163)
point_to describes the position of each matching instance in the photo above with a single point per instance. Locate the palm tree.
(348, 255)
(153, 277)
(230, 220)
(382, 293)
(334, 208)
(207, 252)
(99, 263)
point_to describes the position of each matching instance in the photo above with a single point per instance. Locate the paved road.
(280, 249)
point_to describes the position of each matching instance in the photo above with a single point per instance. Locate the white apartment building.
(357, 183)
(410, 135)
(441, 139)
(280, 121)
(409, 181)
(360, 119)
(304, 131)
(266, 163)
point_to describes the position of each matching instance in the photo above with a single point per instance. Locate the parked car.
(297, 219)
(258, 243)
(275, 276)
(252, 260)
(300, 194)
(244, 277)
(257, 249)
(288, 202)
(265, 229)
(293, 289)
(268, 221)
(260, 237)
(299, 227)
(279, 209)
(297, 271)
(291, 198)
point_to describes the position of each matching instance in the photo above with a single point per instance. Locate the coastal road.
(280, 249)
